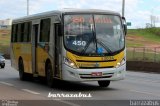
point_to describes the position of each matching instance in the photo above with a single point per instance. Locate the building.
(4, 24)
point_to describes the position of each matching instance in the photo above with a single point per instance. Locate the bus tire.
(49, 75)
(22, 74)
(2, 66)
(104, 83)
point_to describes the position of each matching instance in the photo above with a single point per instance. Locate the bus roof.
(87, 11)
(64, 11)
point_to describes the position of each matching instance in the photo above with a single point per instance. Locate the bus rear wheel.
(49, 75)
(22, 74)
(104, 83)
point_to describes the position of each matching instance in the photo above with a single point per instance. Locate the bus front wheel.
(104, 83)
(49, 75)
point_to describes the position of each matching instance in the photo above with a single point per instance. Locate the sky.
(138, 12)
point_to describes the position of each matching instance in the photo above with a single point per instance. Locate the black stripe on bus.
(95, 67)
(96, 77)
(96, 60)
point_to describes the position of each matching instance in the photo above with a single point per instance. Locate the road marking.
(144, 92)
(30, 91)
(66, 102)
(5, 83)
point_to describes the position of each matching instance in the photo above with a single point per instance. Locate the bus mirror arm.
(125, 29)
(124, 25)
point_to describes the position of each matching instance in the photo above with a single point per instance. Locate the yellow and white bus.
(71, 45)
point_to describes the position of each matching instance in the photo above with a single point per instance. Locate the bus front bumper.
(111, 74)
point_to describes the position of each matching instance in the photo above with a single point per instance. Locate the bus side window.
(45, 30)
(19, 33)
(27, 32)
(22, 33)
(14, 33)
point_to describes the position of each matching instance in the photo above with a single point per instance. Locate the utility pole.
(27, 7)
(123, 8)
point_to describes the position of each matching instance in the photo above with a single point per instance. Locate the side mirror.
(124, 25)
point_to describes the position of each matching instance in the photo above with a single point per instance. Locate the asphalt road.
(136, 86)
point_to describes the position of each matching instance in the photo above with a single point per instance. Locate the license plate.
(96, 73)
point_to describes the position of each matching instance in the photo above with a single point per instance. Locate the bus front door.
(57, 55)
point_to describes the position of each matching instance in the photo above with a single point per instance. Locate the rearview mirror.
(124, 25)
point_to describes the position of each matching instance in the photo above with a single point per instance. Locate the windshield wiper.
(86, 47)
(99, 42)
(104, 46)
(90, 41)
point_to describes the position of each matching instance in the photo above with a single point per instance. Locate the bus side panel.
(41, 56)
(13, 57)
(23, 51)
(27, 57)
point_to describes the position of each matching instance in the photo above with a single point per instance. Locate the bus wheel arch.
(49, 73)
(22, 74)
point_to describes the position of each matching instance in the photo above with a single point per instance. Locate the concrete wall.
(143, 66)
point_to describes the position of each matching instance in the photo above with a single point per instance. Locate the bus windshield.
(93, 34)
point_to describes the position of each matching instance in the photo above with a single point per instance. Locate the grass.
(142, 38)
(145, 33)
(4, 41)
(134, 44)
(148, 38)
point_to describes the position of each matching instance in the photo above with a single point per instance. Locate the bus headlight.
(122, 62)
(69, 62)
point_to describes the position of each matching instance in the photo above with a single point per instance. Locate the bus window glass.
(14, 33)
(22, 32)
(109, 32)
(93, 34)
(19, 33)
(45, 30)
(27, 31)
(78, 31)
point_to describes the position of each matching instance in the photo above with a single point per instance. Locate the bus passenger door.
(57, 55)
(35, 33)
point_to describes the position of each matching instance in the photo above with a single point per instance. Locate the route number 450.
(79, 43)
